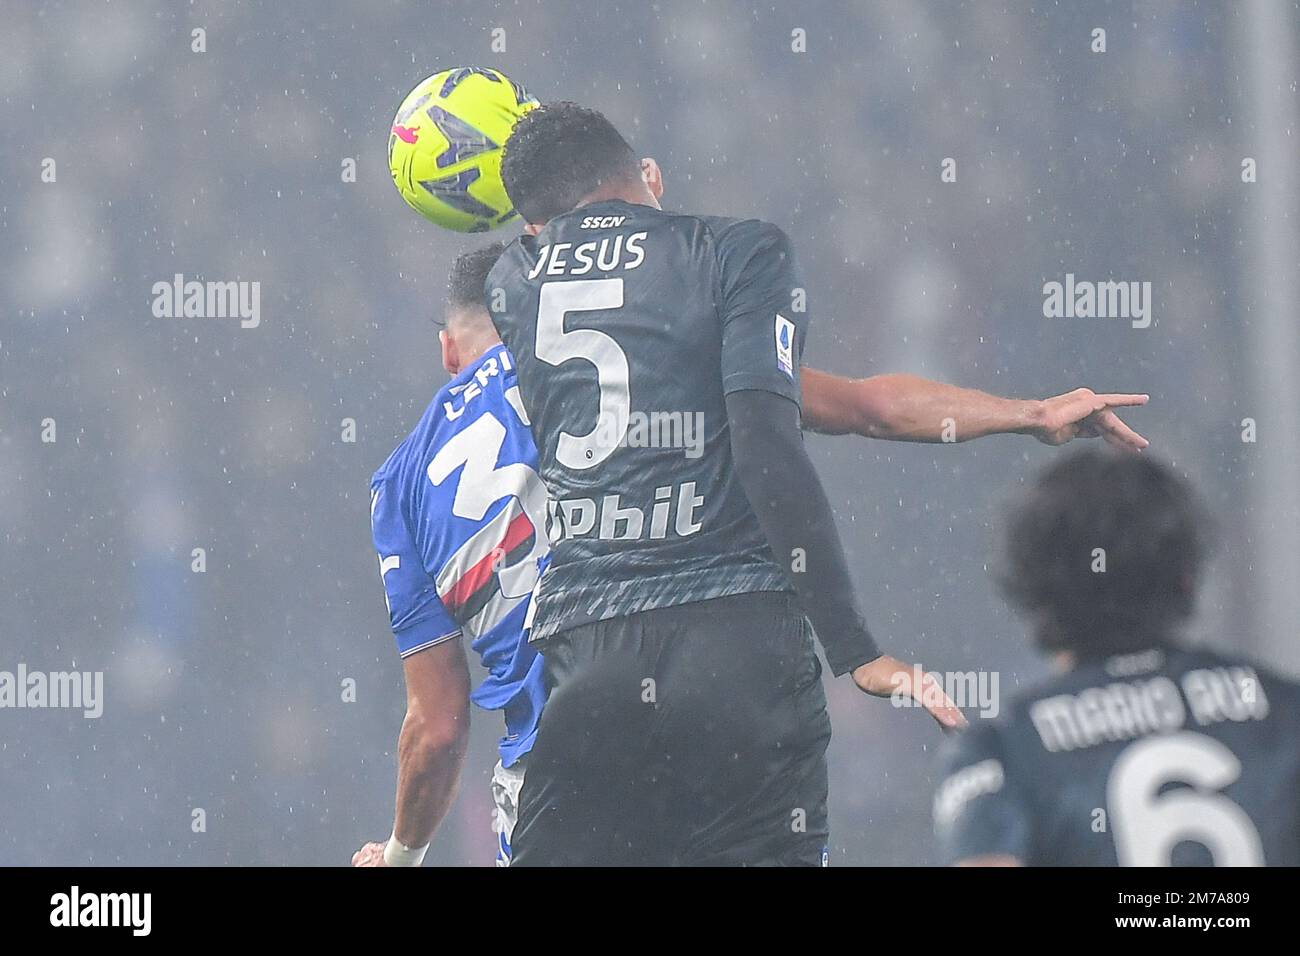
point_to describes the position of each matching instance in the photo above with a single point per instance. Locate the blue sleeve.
(760, 289)
(977, 809)
(415, 611)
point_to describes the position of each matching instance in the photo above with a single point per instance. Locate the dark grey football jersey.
(629, 325)
(1163, 758)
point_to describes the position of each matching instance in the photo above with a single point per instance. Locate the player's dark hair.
(1153, 537)
(559, 153)
(469, 275)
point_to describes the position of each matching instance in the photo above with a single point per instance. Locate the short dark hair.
(469, 275)
(559, 153)
(1154, 537)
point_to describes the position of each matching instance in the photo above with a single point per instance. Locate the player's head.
(468, 331)
(1103, 553)
(562, 155)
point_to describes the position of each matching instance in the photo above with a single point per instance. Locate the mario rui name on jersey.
(1124, 710)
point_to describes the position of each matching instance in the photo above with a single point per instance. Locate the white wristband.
(397, 853)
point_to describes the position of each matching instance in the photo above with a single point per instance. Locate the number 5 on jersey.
(556, 345)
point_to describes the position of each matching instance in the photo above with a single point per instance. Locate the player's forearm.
(795, 515)
(430, 758)
(911, 408)
(903, 407)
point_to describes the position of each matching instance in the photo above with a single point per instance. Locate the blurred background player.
(432, 555)
(1144, 751)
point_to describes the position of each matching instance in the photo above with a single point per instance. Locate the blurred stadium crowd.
(225, 689)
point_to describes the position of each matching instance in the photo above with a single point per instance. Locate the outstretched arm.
(902, 407)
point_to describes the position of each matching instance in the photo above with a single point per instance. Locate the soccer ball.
(445, 147)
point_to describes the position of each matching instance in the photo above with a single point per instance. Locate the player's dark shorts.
(689, 735)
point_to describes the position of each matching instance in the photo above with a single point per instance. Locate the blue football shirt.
(458, 515)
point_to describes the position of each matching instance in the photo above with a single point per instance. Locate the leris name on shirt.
(466, 392)
(605, 255)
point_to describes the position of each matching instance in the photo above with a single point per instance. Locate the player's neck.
(472, 356)
(637, 193)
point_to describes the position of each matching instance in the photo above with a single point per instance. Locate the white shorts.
(506, 783)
